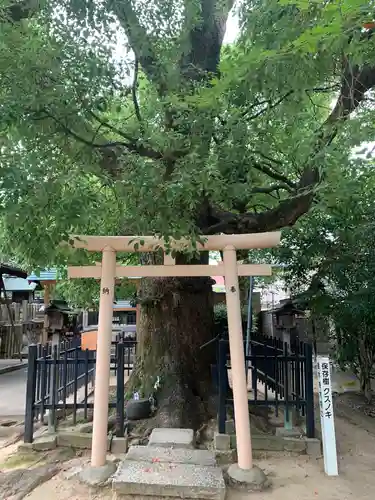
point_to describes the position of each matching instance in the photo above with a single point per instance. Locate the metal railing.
(61, 378)
(281, 377)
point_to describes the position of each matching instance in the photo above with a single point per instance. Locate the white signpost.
(327, 417)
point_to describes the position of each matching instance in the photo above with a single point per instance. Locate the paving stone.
(263, 442)
(282, 432)
(295, 445)
(46, 442)
(119, 445)
(225, 457)
(186, 481)
(155, 454)
(222, 441)
(85, 428)
(313, 447)
(230, 427)
(176, 438)
(79, 440)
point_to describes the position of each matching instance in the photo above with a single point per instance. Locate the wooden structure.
(13, 318)
(60, 319)
(20, 324)
(46, 279)
(108, 272)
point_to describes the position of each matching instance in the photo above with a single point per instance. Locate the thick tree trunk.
(176, 319)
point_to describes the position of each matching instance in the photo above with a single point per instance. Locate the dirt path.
(304, 479)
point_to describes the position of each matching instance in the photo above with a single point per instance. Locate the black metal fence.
(281, 377)
(60, 379)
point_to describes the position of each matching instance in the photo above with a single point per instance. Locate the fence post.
(120, 415)
(222, 367)
(53, 381)
(30, 393)
(309, 381)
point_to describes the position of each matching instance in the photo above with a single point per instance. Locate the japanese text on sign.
(327, 417)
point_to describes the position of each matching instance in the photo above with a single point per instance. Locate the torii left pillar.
(103, 354)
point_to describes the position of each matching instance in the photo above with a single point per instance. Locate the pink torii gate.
(230, 269)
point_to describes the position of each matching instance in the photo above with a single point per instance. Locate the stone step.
(139, 480)
(172, 438)
(154, 454)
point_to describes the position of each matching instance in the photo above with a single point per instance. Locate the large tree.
(138, 107)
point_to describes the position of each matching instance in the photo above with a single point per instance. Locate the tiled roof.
(44, 275)
(18, 285)
(122, 304)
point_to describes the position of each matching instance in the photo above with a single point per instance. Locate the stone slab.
(79, 440)
(230, 427)
(313, 447)
(46, 442)
(283, 432)
(222, 442)
(154, 454)
(119, 445)
(275, 443)
(226, 457)
(263, 442)
(168, 438)
(294, 445)
(169, 480)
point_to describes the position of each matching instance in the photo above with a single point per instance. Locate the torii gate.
(107, 273)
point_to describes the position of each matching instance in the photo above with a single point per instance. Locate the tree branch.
(285, 214)
(268, 108)
(132, 147)
(266, 157)
(355, 83)
(270, 189)
(134, 91)
(268, 170)
(139, 41)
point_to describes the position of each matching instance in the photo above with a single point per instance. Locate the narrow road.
(13, 393)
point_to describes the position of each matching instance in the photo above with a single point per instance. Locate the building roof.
(59, 305)
(122, 304)
(18, 285)
(44, 275)
(12, 271)
(287, 307)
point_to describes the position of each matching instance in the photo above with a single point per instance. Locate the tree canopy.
(329, 259)
(133, 117)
